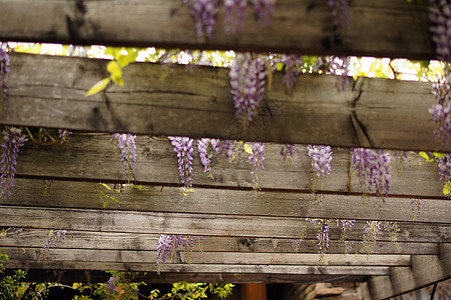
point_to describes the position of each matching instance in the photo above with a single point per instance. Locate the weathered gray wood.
(382, 28)
(387, 113)
(425, 270)
(126, 241)
(195, 224)
(150, 198)
(71, 276)
(226, 258)
(205, 268)
(93, 158)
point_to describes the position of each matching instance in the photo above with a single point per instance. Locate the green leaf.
(447, 188)
(138, 187)
(439, 155)
(247, 148)
(99, 86)
(115, 70)
(425, 156)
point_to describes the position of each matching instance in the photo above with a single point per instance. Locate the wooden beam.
(196, 224)
(29, 192)
(182, 257)
(425, 270)
(382, 28)
(71, 276)
(26, 237)
(204, 268)
(93, 158)
(378, 113)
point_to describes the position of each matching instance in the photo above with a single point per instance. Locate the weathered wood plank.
(125, 241)
(226, 258)
(231, 202)
(200, 105)
(93, 158)
(382, 28)
(205, 268)
(425, 270)
(71, 276)
(195, 224)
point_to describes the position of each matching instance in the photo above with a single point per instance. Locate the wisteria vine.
(321, 158)
(55, 237)
(183, 148)
(169, 244)
(125, 144)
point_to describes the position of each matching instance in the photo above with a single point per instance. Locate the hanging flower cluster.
(183, 148)
(224, 148)
(346, 227)
(321, 158)
(292, 65)
(440, 17)
(288, 150)
(234, 15)
(125, 143)
(110, 286)
(256, 159)
(168, 245)
(204, 155)
(12, 140)
(247, 81)
(415, 206)
(372, 167)
(55, 237)
(64, 135)
(204, 14)
(5, 68)
(340, 16)
(322, 235)
(371, 232)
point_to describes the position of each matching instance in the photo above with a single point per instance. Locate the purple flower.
(295, 243)
(125, 143)
(55, 237)
(184, 150)
(287, 150)
(204, 14)
(234, 15)
(5, 68)
(169, 244)
(64, 135)
(225, 148)
(257, 158)
(322, 236)
(264, 10)
(346, 227)
(371, 232)
(204, 155)
(292, 64)
(13, 139)
(247, 81)
(440, 18)
(444, 167)
(110, 286)
(372, 167)
(164, 248)
(442, 117)
(321, 157)
(340, 16)
(415, 206)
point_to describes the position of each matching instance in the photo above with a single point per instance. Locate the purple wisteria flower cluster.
(169, 244)
(12, 140)
(346, 227)
(110, 286)
(398, 158)
(205, 155)
(204, 14)
(55, 237)
(125, 143)
(371, 232)
(372, 167)
(288, 150)
(340, 16)
(393, 229)
(292, 65)
(64, 135)
(256, 159)
(5, 68)
(234, 15)
(323, 226)
(183, 148)
(247, 81)
(415, 206)
(321, 158)
(224, 148)
(440, 19)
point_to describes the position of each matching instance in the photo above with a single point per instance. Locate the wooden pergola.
(238, 225)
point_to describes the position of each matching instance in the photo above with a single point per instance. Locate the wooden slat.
(71, 276)
(386, 112)
(425, 270)
(226, 258)
(205, 268)
(382, 28)
(93, 158)
(126, 241)
(150, 198)
(194, 224)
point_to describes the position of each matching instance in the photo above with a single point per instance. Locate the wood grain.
(386, 113)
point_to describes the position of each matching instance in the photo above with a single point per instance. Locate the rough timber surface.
(92, 158)
(29, 238)
(30, 192)
(199, 224)
(377, 28)
(49, 92)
